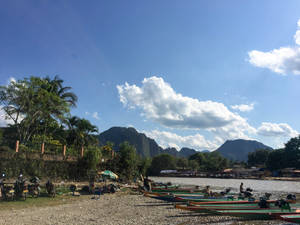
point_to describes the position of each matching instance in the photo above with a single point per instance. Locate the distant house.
(290, 172)
(168, 171)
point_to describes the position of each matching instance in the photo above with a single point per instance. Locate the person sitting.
(207, 191)
(241, 188)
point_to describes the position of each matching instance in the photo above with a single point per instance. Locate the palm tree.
(59, 103)
(81, 132)
(56, 86)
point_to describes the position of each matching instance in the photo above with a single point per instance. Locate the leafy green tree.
(258, 157)
(92, 157)
(128, 161)
(107, 149)
(200, 158)
(193, 164)
(276, 159)
(162, 162)
(292, 153)
(56, 86)
(32, 104)
(210, 161)
(81, 132)
(143, 166)
(182, 163)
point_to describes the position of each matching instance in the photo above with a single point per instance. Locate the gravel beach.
(115, 209)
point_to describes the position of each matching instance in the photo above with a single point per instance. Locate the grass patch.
(42, 201)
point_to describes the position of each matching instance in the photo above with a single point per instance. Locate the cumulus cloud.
(243, 107)
(282, 60)
(95, 115)
(276, 130)
(160, 103)
(169, 139)
(4, 121)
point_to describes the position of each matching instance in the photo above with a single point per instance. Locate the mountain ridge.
(239, 149)
(147, 147)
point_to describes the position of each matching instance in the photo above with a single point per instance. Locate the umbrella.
(109, 174)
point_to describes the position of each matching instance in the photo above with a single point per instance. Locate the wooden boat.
(262, 214)
(174, 198)
(176, 193)
(293, 218)
(230, 202)
(174, 190)
(206, 199)
(211, 208)
(161, 196)
(165, 187)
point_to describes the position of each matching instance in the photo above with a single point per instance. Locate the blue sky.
(186, 73)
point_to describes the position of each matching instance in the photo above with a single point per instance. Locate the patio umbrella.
(109, 174)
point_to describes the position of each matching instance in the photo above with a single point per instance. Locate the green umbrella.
(109, 174)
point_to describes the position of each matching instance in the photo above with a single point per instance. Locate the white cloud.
(3, 120)
(11, 80)
(95, 116)
(167, 139)
(283, 60)
(160, 103)
(276, 130)
(236, 130)
(243, 107)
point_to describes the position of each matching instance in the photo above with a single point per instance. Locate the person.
(207, 191)
(241, 188)
(147, 183)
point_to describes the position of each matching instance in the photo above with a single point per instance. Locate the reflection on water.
(257, 185)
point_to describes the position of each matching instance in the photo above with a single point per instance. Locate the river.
(256, 185)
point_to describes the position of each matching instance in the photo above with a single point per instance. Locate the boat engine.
(291, 197)
(263, 203)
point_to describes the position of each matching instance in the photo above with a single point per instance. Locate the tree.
(200, 158)
(292, 153)
(182, 163)
(143, 166)
(33, 103)
(193, 164)
(162, 162)
(210, 161)
(81, 132)
(127, 161)
(258, 157)
(107, 149)
(92, 157)
(276, 159)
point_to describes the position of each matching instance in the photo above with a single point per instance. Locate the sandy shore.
(115, 209)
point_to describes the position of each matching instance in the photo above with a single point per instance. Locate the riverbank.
(260, 186)
(122, 208)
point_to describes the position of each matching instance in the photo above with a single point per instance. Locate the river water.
(256, 185)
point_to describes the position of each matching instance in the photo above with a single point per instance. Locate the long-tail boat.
(293, 218)
(212, 208)
(175, 198)
(264, 214)
(228, 201)
(204, 199)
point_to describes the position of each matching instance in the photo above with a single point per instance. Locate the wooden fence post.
(17, 146)
(82, 150)
(64, 150)
(43, 148)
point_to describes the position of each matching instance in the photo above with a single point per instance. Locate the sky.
(186, 73)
